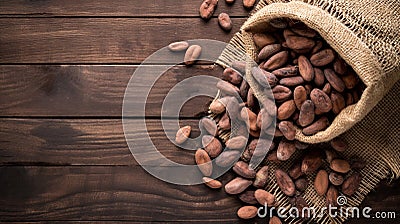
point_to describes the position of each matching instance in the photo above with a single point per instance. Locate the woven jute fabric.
(365, 33)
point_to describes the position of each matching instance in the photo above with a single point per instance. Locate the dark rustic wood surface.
(64, 67)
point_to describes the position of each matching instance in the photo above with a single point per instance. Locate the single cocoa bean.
(285, 150)
(232, 76)
(292, 81)
(237, 185)
(336, 179)
(247, 212)
(212, 145)
(299, 43)
(350, 80)
(217, 107)
(311, 162)
(249, 3)
(319, 125)
(301, 204)
(349, 99)
(178, 46)
(225, 21)
(268, 51)
(274, 220)
(278, 23)
(336, 82)
(285, 183)
(227, 158)
(182, 134)
(318, 46)
(224, 123)
(273, 157)
(215, 184)
(327, 88)
(323, 58)
(264, 120)
(250, 118)
(338, 102)
(281, 93)
(351, 184)
(330, 155)
(227, 88)
(264, 197)
(261, 177)
(286, 110)
(295, 171)
(321, 100)
(339, 144)
(305, 68)
(305, 31)
(207, 8)
(357, 163)
(319, 77)
(286, 71)
(321, 182)
(288, 130)
(244, 88)
(248, 197)
(307, 115)
(236, 143)
(299, 95)
(208, 125)
(339, 66)
(261, 40)
(242, 169)
(203, 161)
(192, 54)
(276, 61)
(331, 196)
(340, 166)
(264, 78)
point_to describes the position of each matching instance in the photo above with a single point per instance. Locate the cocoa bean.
(331, 196)
(286, 71)
(247, 212)
(285, 183)
(227, 88)
(264, 78)
(305, 68)
(249, 3)
(286, 110)
(357, 163)
(237, 185)
(301, 184)
(232, 76)
(207, 8)
(268, 51)
(274, 220)
(225, 21)
(308, 88)
(319, 77)
(264, 197)
(351, 184)
(338, 102)
(217, 107)
(279, 23)
(261, 40)
(203, 161)
(317, 47)
(349, 99)
(281, 93)
(192, 54)
(330, 155)
(224, 123)
(288, 130)
(295, 171)
(178, 46)
(336, 179)
(285, 150)
(244, 88)
(250, 118)
(227, 158)
(327, 88)
(236, 143)
(339, 144)
(305, 31)
(323, 58)
(243, 170)
(215, 184)
(182, 134)
(292, 81)
(301, 204)
(340, 166)
(319, 125)
(299, 96)
(264, 120)
(209, 126)
(350, 80)
(276, 61)
(321, 182)
(299, 43)
(301, 145)
(273, 157)
(321, 100)
(212, 145)
(261, 177)
(339, 66)
(307, 114)
(248, 197)
(311, 162)
(336, 82)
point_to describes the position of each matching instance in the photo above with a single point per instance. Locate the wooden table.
(64, 69)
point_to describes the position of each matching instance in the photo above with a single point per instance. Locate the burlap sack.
(365, 33)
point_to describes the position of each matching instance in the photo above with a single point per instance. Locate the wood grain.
(100, 40)
(86, 142)
(39, 90)
(135, 8)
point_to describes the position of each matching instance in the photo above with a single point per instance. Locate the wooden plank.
(136, 8)
(85, 142)
(125, 194)
(100, 40)
(40, 90)
(106, 193)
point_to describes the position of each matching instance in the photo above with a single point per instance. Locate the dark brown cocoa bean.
(349, 99)
(217, 106)
(350, 80)
(299, 96)
(272, 157)
(264, 119)
(212, 145)
(327, 89)
(306, 70)
(268, 51)
(321, 182)
(319, 77)
(285, 183)
(292, 81)
(301, 184)
(307, 115)
(281, 93)
(286, 71)
(279, 23)
(338, 102)
(339, 144)
(224, 123)
(321, 100)
(285, 150)
(261, 40)
(208, 125)
(319, 125)
(339, 66)
(192, 54)
(182, 134)
(251, 99)
(340, 166)
(301, 145)
(335, 81)
(288, 130)
(311, 162)
(261, 177)
(178, 46)
(305, 31)
(227, 158)
(276, 61)
(250, 118)
(236, 143)
(351, 184)
(331, 196)
(264, 197)
(227, 88)
(330, 155)
(295, 171)
(357, 163)
(244, 88)
(203, 161)
(336, 179)
(248, 197)
(207, 8)
(225, 21)
(232, 76)
(323, 58)
(317, 47)
(286, 110)
(299, 43)
(237, 185)
(242, 169)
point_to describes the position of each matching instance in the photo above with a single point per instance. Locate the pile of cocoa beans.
(311, 84)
